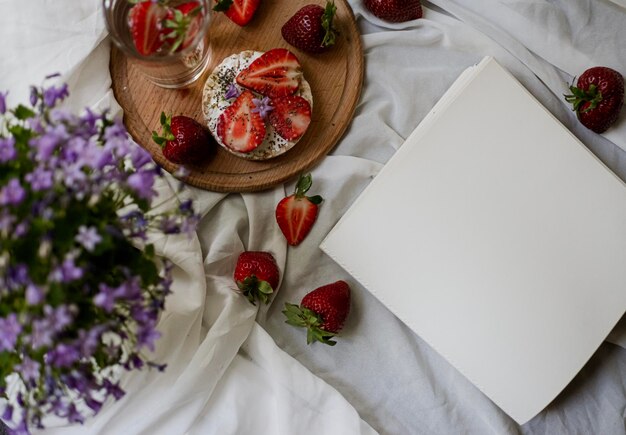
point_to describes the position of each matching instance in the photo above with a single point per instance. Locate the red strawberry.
(276, 73)
(297, 213)
(396, 11)
(144, 22)
(311, 28)
(184, 140)
(256, 275)
(598, 97)
(182, 24)
(291, 116)
(239, 11)
(322, 311)
(239, 127)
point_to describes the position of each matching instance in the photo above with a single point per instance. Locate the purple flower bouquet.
(80, 286)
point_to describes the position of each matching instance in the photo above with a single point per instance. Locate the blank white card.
(497, 237)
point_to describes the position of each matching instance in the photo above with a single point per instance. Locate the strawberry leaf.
(317, 199)
(158, 139)
(255, 289)
(305, 318)
(327, 24)
(579, 97)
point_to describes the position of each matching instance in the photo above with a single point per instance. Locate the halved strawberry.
(275, 73)
(291, 116)
(144, 22)
(239, 128)
(297, 213)
(239, 11)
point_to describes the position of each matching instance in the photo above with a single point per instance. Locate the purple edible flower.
(140, 157)
(42, 334)
(7, 149)
(59, 317)
(74, 416)
(34, 294)
(67, 272)
(232, 92)
(40, 179)
(29, 369)
(17, 276)
(141, 182)
(6, 220)
(54, 94)
(63, 355)
(3, 102)
(7, 415)
(93, 404)
(146, 337)
(113, 389)
(88, 237)
(13, 193)
(89, 340)
(106, 298)
(10, 329)
(262, 107)
(34, 95)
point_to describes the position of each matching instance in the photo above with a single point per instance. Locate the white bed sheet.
(221, 361)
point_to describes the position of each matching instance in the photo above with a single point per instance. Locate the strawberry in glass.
(145, 22)
(239, 12)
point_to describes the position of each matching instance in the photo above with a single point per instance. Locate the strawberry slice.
(276, 73)
(238, 11)
(239, 128)
(297, 213)
(291, 116)
(144, 22)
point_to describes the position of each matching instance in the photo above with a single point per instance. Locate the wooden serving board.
(335, 77)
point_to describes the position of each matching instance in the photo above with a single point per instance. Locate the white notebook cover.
(497, 237)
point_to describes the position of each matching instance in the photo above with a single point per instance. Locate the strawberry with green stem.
(597, 97)
(322, 312)
(311, 28)
(256, 275)
(184, 140)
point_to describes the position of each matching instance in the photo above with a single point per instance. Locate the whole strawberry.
(184, 140)
(311, 28)
(323, 312)
(256, 275)
(296, 214)
(597, 97)
(396, 11)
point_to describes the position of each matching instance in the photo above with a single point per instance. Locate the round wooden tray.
(335, 76)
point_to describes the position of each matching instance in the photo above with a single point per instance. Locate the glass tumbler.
(167, 40)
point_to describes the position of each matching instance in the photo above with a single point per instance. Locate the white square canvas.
(497, 237)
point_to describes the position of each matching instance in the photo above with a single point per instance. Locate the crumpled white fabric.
(227, 373)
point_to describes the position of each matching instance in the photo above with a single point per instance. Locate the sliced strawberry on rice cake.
(251, 86)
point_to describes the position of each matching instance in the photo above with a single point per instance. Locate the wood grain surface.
(335, 76)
